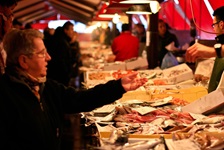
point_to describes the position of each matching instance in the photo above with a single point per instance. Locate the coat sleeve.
(74, 101)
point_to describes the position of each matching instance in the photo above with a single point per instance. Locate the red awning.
(178, 15)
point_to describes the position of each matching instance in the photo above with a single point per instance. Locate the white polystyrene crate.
(178, 74)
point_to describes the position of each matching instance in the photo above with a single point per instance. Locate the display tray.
(188, 94)
(142, 136)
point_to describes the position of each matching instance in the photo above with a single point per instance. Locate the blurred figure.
(75, 79)
(117, 32)
(140, 32)
(6, 18)
(48, 33)
(125, 46)
(49, 39)
(61, 65)
(193, 32)
(165, 38)
(96, 34)
(102, 36)
(108, 37)
(16, 24)
(28, 25)
(141, 35)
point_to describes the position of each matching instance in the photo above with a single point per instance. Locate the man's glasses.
(213, 25)
(41, 54)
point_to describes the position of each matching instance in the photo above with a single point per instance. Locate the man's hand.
(131, 82)
(198, 51)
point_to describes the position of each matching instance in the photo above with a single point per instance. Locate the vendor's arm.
(198, 51)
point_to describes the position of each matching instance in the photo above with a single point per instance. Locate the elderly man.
(200, 51)
(32, 106)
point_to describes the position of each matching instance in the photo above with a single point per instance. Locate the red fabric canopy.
(178, 16)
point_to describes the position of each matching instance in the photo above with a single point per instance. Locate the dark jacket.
(60, 66)
(25, 126)
(218, 68)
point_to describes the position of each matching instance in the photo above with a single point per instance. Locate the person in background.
(75, 79)
(32, 106)
(117, 32)
(198, 51)
(48, 37)
(140, 33)
(96, 34)
(16, 24)
(6, 18)
(125, 46)
(28, 25)
(193, 32)
(108, 37)
(61, 66)
(165, 38)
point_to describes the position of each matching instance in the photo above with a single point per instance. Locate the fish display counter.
(156, 112)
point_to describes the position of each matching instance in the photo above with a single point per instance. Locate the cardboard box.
(210, 103)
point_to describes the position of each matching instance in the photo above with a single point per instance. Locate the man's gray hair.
(19, 42)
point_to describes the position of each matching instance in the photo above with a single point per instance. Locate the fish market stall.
(157, 112)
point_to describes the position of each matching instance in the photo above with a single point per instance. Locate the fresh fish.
(209, 120)
(169, 123)
(109, 117)
(113, 136)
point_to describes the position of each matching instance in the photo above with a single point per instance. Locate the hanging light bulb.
(139, 9)
(155, 6)
(109, 13)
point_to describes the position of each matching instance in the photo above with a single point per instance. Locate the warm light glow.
(116, 18)
(106, 15)
(135, 1)
(177, 2)
(139, 9)
(138, 12)
(155, 6)
(98, 24)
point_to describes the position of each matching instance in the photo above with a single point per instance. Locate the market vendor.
(198, 51)
(32, 106)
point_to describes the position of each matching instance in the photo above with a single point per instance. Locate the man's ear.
(222, 24)
(23, 62)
